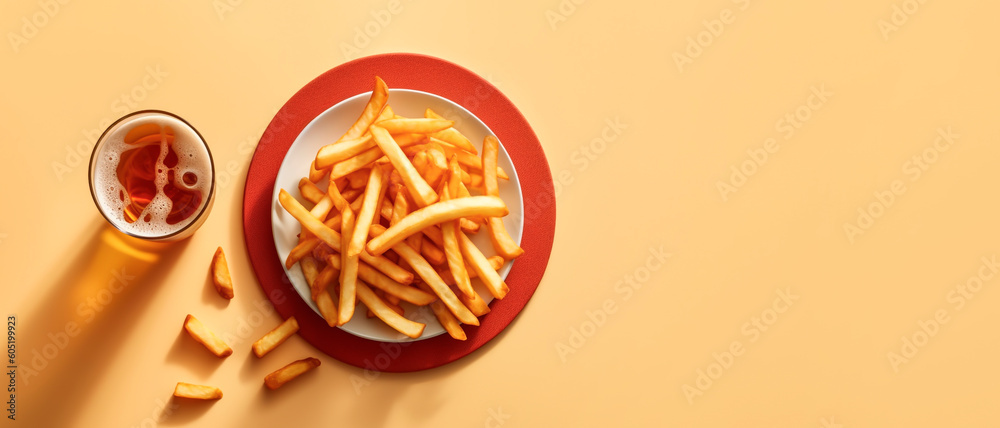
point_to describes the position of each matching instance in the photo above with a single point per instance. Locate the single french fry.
(476, 304)
(403, 325)
(220, 275)
(291, 371)
(468, 226)
(310, 191)
(386, 114)
(349, 165)
(437, 164)
(448, 320)
(373, 194)
(315, 175)
(422, 193)
(430, 276)
(309, 269)
(481, 265)
(400, 208)
(345, 149)
(327, 305)
(204, 336)
(337, 198)
(410, 126)
(324, 279)
(349, 269)
(434, 214)
(197, 392)
(275, 337)
(307, 220)
(322, 208)
(501, 240)
(453, 253)
(302, 249)
(376, 103)
(455, 179)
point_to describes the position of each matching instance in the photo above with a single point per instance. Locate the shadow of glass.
(74, 331)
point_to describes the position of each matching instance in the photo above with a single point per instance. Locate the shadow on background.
(186, 352)
(74, 332)
(184, 411)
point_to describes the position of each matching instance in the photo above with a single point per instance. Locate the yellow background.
(896, 78)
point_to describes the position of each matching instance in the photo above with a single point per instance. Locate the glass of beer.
(152, 176)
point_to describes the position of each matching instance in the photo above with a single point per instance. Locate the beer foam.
(192, 157)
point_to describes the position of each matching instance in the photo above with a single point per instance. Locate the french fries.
(279, 377)
(197, 392)
(220, 275)
(387, 285)
(275, 337)
(451, 135)
(333, 239)
(391, 225)
(431, 278)
(204, 336)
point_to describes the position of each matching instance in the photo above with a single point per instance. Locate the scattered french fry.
(279, 377)
(204, 336)
(197, 392)
(220, 275)
(275, 337)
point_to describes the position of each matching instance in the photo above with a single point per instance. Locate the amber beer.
(152, 176)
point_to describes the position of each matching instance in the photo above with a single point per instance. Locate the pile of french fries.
(392, 203)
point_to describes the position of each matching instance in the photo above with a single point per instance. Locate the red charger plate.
(428, 74)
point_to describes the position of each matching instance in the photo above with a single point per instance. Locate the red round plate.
(428, 74)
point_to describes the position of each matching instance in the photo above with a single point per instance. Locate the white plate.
(329, 126)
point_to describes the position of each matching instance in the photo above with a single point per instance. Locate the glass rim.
(90, 176)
